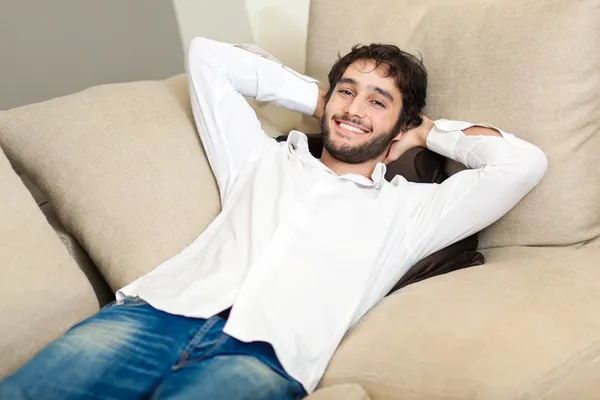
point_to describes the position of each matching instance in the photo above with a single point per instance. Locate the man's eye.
(345, 92)
(378, 103)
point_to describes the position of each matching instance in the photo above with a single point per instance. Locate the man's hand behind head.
(414, 137)
(320, 110)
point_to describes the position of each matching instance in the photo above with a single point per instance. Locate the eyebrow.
(377, 89)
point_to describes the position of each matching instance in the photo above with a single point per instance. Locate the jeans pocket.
(130, 301)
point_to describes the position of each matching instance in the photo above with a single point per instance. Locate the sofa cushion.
(42, 291)
(103, 292)
(122, 166)
(340, 392)
(530, 67)
(521, 326)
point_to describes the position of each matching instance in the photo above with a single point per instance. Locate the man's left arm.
(502, 170)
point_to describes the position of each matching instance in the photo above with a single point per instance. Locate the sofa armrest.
(346, 391)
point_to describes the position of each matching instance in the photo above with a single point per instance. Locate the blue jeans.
(130, 350)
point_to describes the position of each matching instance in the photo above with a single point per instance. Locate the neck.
(341, 168)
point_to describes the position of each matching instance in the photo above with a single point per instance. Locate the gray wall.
(52, 48)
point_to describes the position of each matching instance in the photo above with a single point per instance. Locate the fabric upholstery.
(103, 292)
(42, 291)
(530, 67)
(340, 392)
(593, 243)
(123, 167)
(35, 191)
(85, 264)
(576, 383)
(520, 327)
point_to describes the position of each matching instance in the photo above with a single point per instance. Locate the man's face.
(360, 118)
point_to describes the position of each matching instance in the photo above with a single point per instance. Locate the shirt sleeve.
(220, 76)
(502, 170)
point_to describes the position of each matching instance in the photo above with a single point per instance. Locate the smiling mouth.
(350, 128)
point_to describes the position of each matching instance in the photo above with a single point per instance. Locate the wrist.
(424, 133)
(320, 109)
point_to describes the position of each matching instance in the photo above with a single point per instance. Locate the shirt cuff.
(303, 90)
(448, 139)
(443, 137)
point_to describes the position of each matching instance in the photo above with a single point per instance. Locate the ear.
(394, 141)
(398, 136)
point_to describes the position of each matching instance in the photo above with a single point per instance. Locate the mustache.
(355, 121)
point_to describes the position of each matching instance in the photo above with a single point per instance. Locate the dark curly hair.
(408, 71)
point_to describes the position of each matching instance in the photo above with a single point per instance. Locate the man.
(256, 306)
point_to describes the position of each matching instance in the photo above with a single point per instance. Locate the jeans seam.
(195, 340)
(206, 354)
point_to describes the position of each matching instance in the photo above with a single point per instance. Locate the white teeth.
(351, 128)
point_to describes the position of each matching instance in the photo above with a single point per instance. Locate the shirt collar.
(298, 143)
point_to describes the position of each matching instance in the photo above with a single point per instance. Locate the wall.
(278, 26)
(52, 48)
(223, 20)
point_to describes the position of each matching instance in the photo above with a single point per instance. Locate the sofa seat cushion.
(349, 391)
(523, 326)
(42, 290)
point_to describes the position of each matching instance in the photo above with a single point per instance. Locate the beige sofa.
(127, 183)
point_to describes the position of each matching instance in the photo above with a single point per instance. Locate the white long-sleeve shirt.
(302, 253)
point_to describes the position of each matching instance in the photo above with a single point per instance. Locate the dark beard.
(360, 153)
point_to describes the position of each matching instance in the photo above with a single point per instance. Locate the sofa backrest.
(530, 67)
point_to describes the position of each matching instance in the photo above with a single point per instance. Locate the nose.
(355, 107)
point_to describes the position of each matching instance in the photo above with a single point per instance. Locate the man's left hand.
(415, 137)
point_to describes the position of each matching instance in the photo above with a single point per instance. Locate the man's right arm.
(220, 75)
